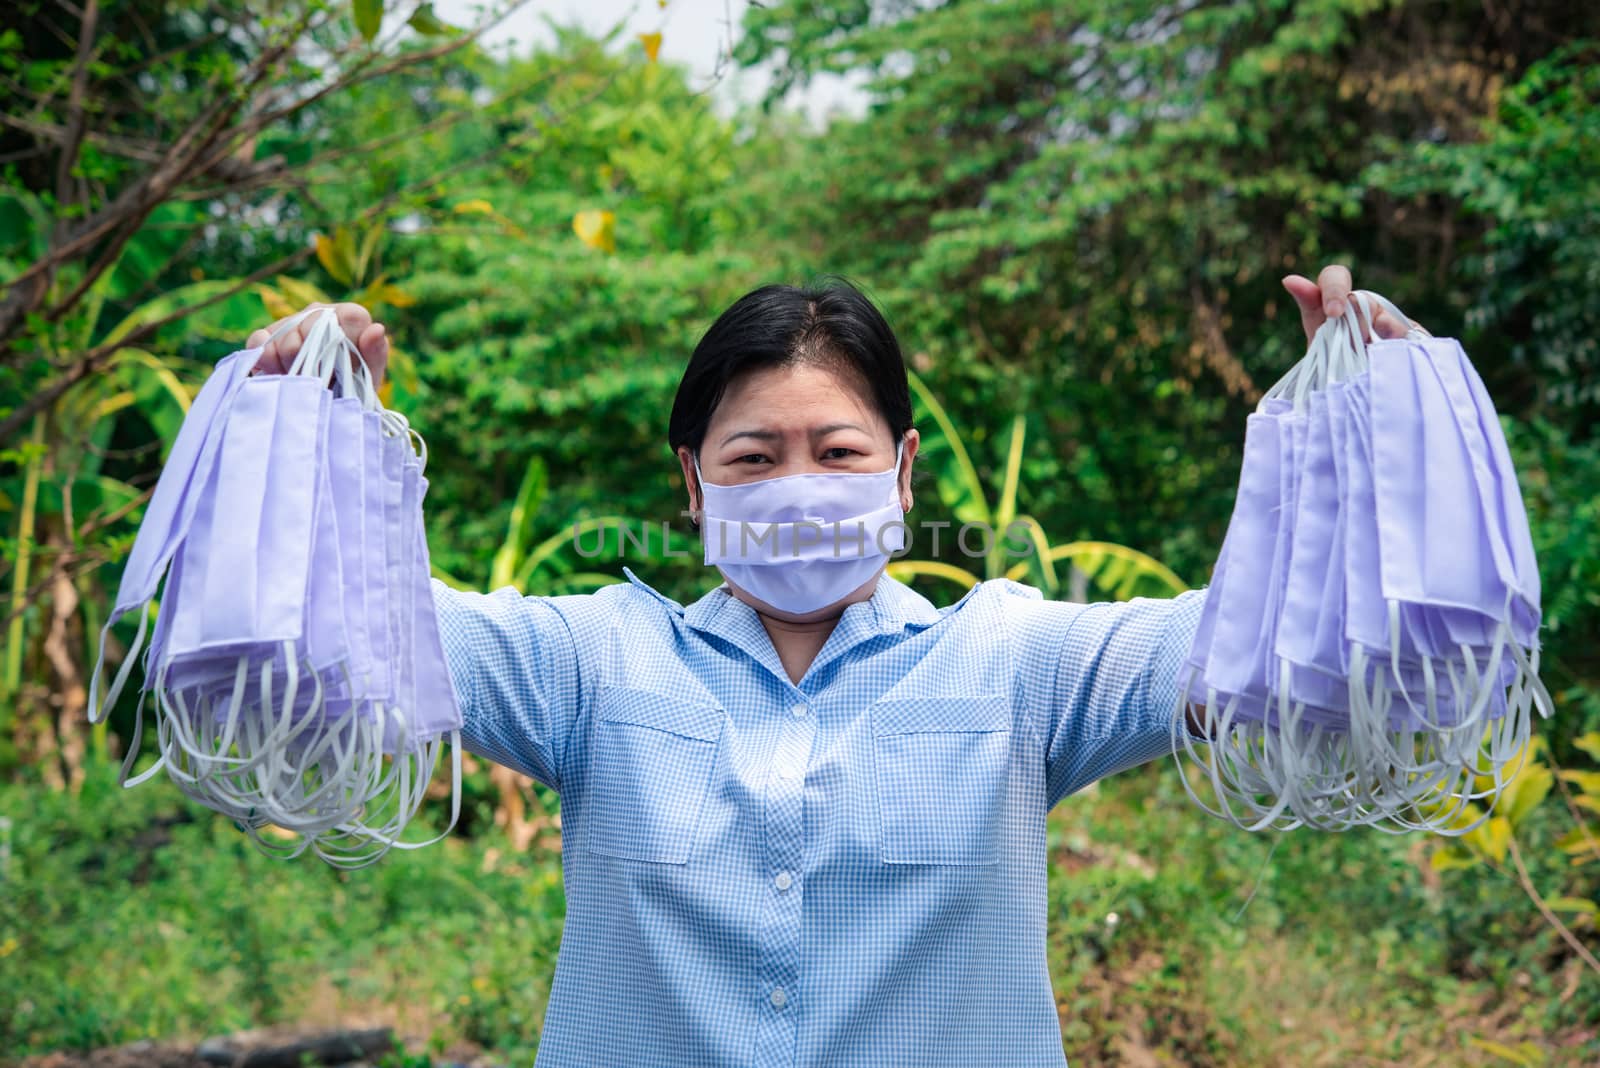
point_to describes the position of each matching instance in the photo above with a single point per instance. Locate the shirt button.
(784, 880)
(779, 998)
(799, 711)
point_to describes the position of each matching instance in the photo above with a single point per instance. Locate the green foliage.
(1009, 543)
(132, 914)
(1534, 179)
(1075, 214)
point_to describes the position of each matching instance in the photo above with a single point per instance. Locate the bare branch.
(135, 203)
(76, 119)
(125, 147)
(92, 360)
(200, 129)
(1544, 909)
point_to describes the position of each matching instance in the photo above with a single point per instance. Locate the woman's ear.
(908, 453)
(691, 482)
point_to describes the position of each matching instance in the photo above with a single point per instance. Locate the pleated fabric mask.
(291, 649)
(1368, 651)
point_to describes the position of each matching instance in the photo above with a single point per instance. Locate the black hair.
(830, 321)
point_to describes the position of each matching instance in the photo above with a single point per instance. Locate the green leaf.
(1523, 1053)
(1573, 904)
(906, 570)
(1008, 494)
(1120, 572)
(173, 300)
(429, 24)
(959, 485)
(519, 530)
(369, 16)
(369, 246)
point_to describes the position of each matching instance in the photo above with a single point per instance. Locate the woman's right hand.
(367, 336)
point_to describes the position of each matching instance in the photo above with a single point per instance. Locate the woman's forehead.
(802, 398)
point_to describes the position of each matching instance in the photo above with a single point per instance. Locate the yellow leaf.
(334, 256)
(1573, 904)
(597, 229)
(1585, 801)
(1579, 842)
(474, 207)
(1491, 838)
(1524, 792)
(1524, 1053)
(381, 292)
(300, 293)
(276, 304)
(1466, 817)
(1587, 781)
(1450, 857)
(1589, 743)
(652, 45)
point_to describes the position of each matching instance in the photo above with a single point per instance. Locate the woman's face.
(798, 419)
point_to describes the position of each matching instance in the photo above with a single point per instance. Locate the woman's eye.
(752, 458)
(838, 452)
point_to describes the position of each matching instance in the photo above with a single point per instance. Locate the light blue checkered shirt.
(845, 872)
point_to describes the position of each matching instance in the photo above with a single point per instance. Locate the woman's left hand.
(1327, 297)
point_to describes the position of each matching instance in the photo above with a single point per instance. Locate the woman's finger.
(373, 344)
(1390, 327)
(1308, 298)
(1335, 285)
(354, 318)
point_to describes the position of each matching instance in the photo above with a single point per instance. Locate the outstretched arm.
(1101, 681)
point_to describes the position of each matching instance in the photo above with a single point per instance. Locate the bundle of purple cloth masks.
(1368, 653)
(295, 668)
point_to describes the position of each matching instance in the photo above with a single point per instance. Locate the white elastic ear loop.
(1414, 329)
(315, 353)
(290, 323)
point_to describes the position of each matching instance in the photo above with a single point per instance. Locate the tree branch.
(139, 199)
(92, 360)
(1544, 910)
(77, 121)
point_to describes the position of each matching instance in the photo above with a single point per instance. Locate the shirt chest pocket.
(941, 765)
(651, 764)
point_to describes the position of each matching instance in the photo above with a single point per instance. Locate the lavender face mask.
(298, 678)
(1368, 650)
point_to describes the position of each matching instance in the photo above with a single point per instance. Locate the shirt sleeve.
(1101, 681)
(515, 667)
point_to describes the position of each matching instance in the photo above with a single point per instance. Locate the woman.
(804, 816)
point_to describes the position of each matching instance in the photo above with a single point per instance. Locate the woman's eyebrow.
(762, 435)
(773, 435)
(823, 431)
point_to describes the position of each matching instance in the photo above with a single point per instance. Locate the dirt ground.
(150, 1054)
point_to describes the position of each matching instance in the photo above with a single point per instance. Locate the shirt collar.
(892, 608)
(893, 605)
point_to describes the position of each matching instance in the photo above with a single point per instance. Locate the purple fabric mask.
(297, 671)
(188, 470)
(1369, 641)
